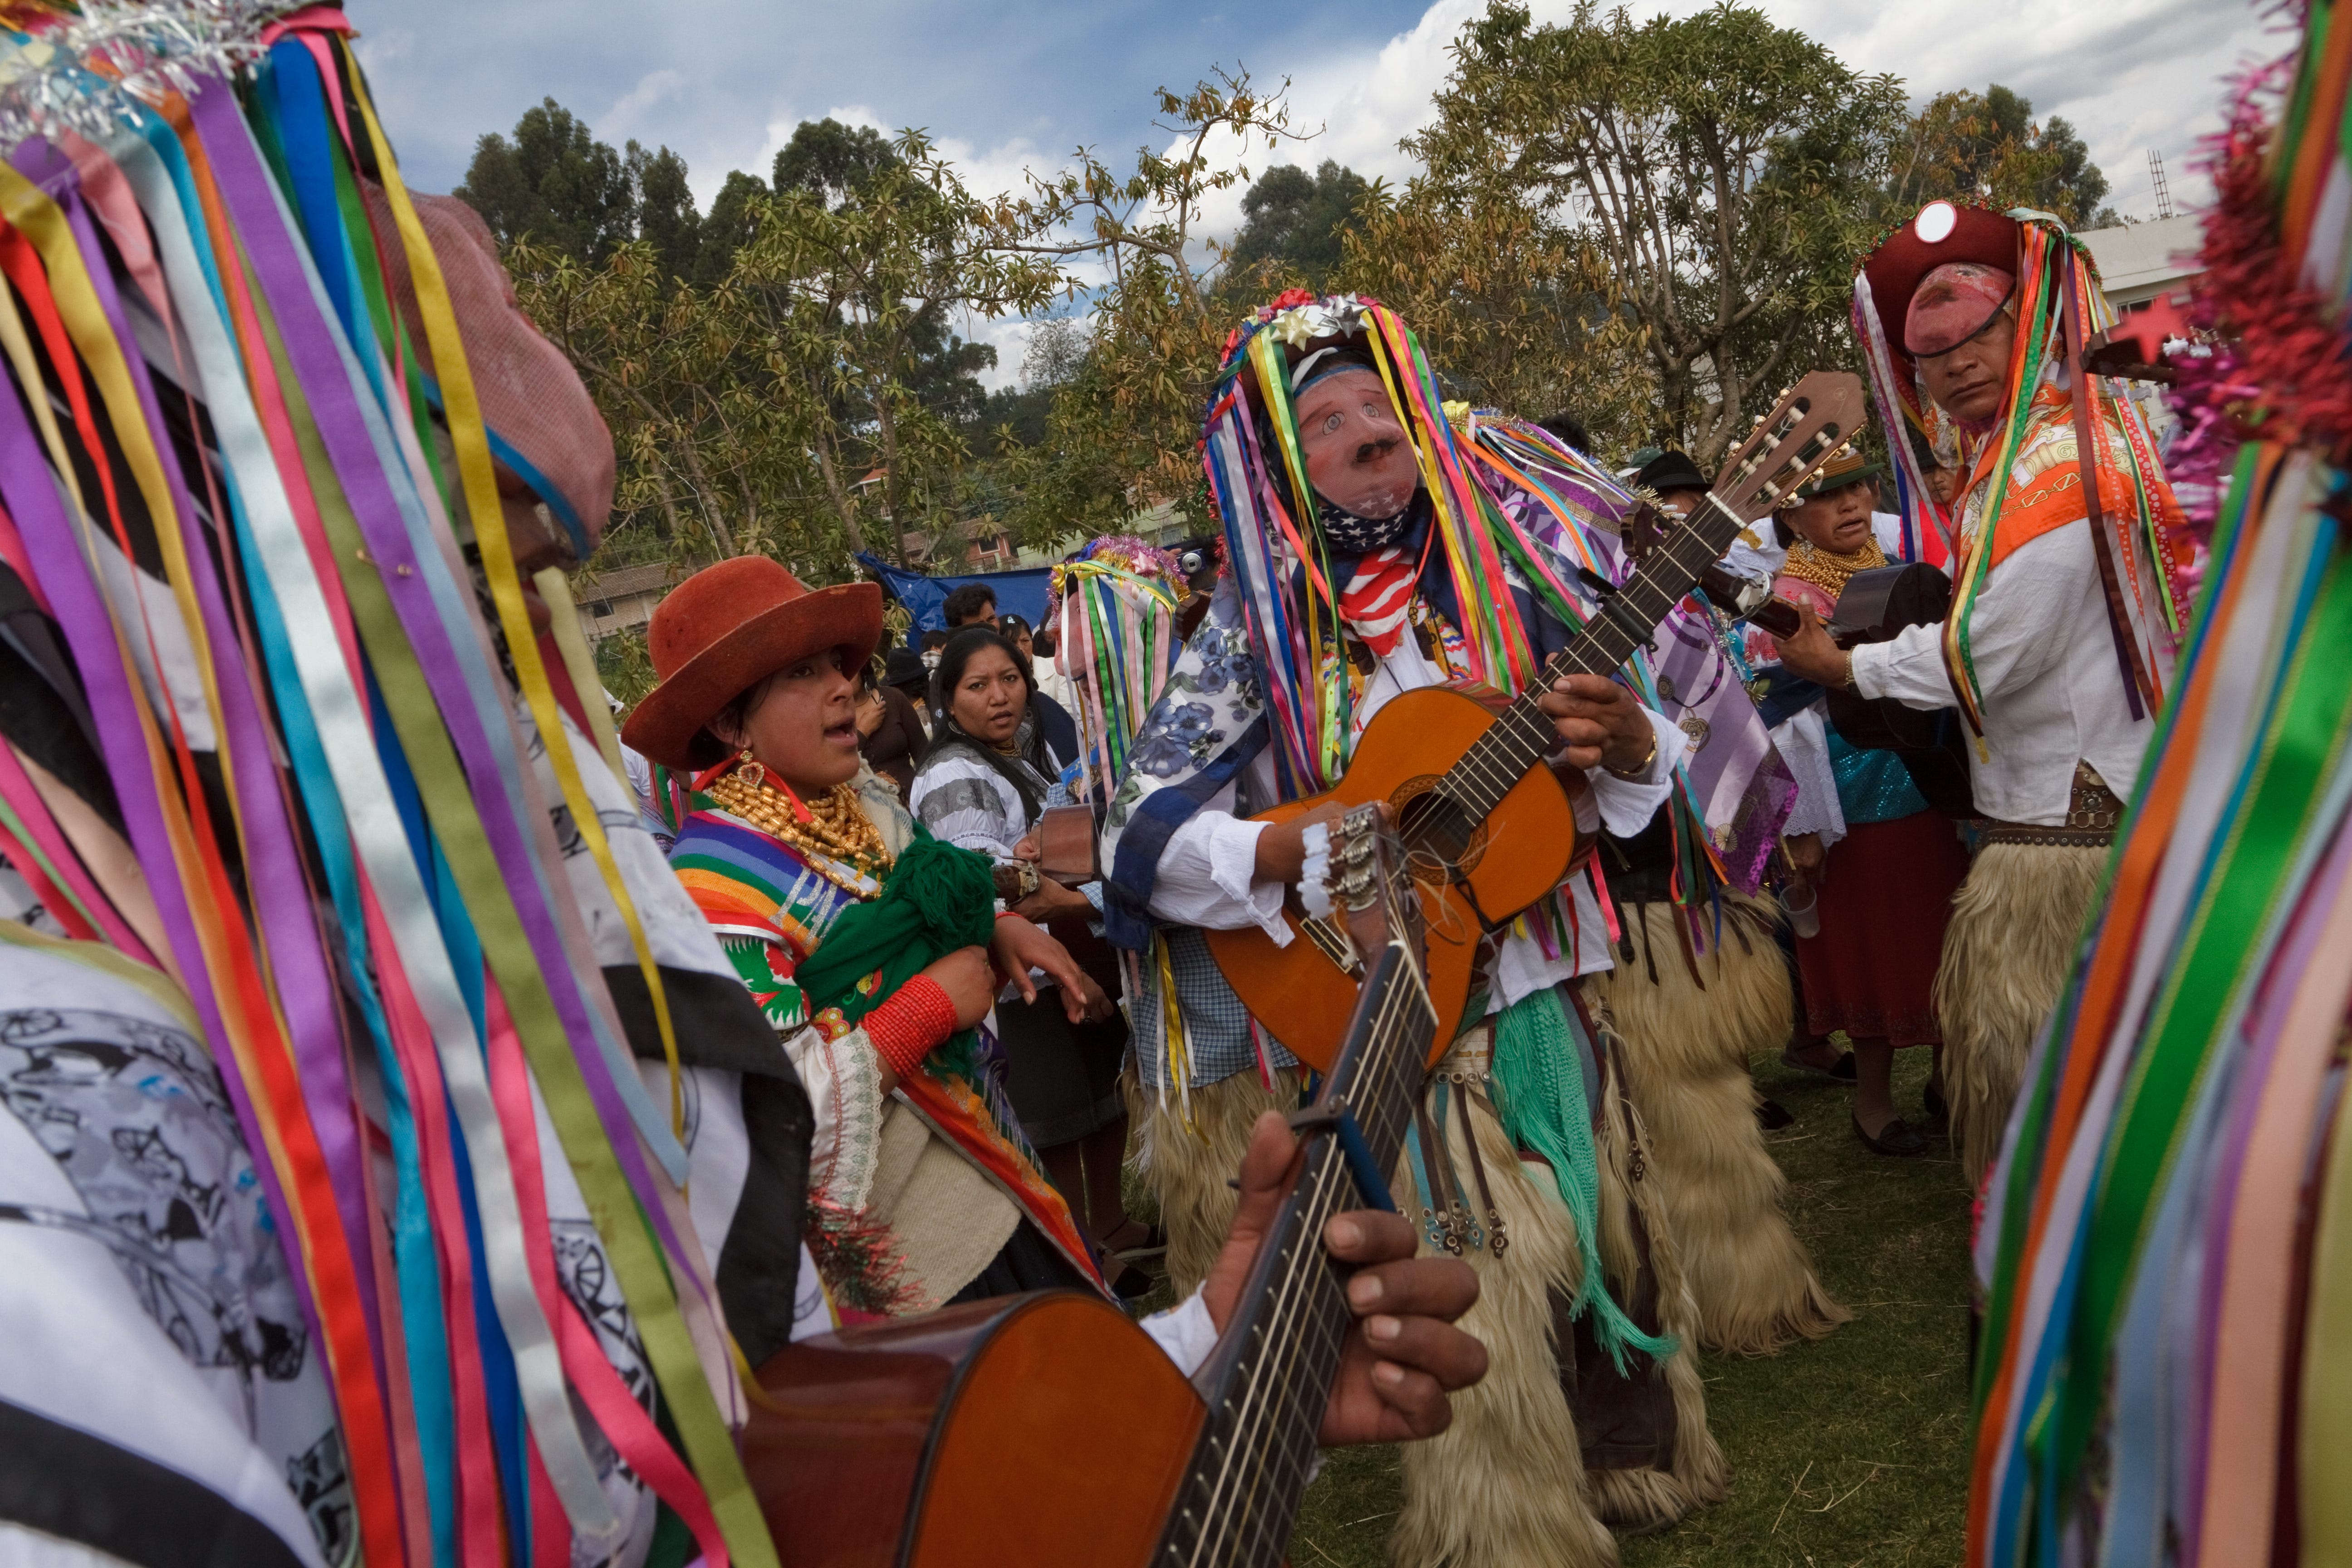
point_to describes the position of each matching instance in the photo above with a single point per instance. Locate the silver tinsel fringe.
(147, 50)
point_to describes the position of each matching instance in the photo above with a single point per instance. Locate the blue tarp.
(1019, 593)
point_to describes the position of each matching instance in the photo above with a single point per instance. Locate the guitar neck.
(1523, 736)
(1267, 1384)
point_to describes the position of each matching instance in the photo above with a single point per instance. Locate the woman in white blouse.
(981, 787)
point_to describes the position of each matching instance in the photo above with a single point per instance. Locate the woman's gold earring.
(752, 772)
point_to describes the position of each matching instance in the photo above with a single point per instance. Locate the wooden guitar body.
(1518, 854)
(1044, 1428)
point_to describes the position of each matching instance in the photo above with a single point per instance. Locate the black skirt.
(1026, 1261)
(1063, 1078)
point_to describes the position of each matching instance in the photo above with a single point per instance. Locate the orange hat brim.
(847, 616)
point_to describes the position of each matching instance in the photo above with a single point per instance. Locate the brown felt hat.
(730, 626)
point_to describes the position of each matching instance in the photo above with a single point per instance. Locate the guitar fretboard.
(1266, 1387)
(1523, 736)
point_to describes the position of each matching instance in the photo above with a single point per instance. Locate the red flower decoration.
(1290, 296)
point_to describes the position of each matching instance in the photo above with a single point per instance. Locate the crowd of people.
(438, 1105)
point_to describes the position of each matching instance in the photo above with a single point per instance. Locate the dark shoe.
(1842, 1069)
(1896, 1139)
(1938, 1109)
(1132, 1284)
(1771, 1115)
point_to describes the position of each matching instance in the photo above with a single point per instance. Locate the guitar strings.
(1253, 1426)
(1279, 1342)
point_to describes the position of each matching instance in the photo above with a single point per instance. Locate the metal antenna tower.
(2163, 191)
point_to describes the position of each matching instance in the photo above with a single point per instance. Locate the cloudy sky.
(1021, 82)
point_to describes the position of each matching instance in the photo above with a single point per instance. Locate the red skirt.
(1885, 898)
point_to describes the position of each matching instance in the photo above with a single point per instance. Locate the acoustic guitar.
(1487, 827)
(1049, 1429)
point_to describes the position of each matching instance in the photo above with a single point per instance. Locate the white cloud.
(2130, 75)
(622, 122)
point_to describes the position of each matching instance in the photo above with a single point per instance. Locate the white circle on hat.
(1935, 222)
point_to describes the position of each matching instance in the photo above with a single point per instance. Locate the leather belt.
(2093, 814)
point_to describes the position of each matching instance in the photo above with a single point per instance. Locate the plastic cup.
(1804, 908)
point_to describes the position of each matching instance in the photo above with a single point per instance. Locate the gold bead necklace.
(839, 840)
(1826, 569)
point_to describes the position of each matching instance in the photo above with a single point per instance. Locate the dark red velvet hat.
(1906, 257)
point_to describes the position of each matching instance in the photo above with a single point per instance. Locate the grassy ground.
(1850, 1451)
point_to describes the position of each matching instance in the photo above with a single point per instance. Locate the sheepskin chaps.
(1187, 1168)
(2007, 953)
(1689, 1034)
(1505, 1485)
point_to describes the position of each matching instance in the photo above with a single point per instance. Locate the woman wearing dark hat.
(1883, 865)
(921, 1188)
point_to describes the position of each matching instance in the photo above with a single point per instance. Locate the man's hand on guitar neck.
(1403, 1354)
(1601, 723)
(1812, 654)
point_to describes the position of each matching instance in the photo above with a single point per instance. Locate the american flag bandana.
(1379, 597)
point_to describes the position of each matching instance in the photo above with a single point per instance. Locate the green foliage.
(734, 216)
(666, 217)
(835, 161)
(1725, 172)
(1986, 146)
(799, 393)
(1123, 434)
(625, 668)
(553, 183)
(1516, 310)
(1294, 223)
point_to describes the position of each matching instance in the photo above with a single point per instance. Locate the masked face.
(1358, 456)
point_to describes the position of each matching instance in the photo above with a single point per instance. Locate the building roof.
(650, 578)
(2141, 260)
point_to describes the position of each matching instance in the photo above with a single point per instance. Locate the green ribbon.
(2307, 727)
(1539, 1094)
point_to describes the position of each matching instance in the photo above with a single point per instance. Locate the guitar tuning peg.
(1314, 876)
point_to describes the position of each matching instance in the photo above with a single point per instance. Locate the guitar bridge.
(1332, 939)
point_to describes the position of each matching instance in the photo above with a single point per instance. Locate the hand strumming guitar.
(1601, 722)
(1403, 1355)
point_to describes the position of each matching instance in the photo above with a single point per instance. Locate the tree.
(1725, 172)
(850, 303)
(1986, 147)
(665, 216)
(1124, 434)
(835, 161)
(554, 182)
(734, 217)
(1516, 310)
(1057, 356)
(1293, 224)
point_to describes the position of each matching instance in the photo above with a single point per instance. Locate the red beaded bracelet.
(904, 1028)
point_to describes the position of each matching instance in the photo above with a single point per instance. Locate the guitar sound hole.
(1441, 842)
